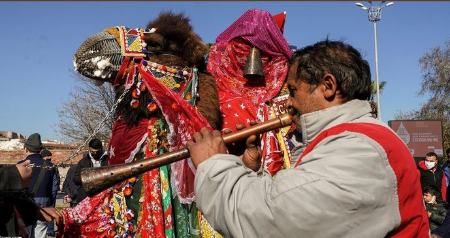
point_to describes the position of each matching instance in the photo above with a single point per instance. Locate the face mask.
(430, 164)
(96, 155)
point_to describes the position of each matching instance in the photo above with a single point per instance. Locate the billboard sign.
(421, 136)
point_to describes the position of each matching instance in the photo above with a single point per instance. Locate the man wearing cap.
(96, 157)
(41, 180)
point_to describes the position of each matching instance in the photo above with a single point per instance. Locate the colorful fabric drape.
(244, 100)
(145, 206)
(183, 120)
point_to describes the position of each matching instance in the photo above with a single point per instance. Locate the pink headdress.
(259, 28)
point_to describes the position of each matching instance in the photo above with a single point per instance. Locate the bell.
(253, 67)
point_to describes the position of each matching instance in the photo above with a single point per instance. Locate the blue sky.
(39, 39)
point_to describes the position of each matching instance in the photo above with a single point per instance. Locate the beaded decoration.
(131, 41)
(166, 70)
(174, 79)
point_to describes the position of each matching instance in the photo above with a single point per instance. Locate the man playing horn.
(355, 178)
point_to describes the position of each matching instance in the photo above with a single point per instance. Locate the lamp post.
(374, 13)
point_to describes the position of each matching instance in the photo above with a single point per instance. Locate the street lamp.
(374, 17)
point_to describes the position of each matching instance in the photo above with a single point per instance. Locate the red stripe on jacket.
(414, 220)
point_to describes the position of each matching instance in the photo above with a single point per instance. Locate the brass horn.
(253, 67)
(95, 180)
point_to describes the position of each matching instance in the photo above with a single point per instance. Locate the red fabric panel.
(120, 148)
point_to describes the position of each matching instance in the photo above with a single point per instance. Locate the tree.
(88, 105)
(374, 88)
(435, 66)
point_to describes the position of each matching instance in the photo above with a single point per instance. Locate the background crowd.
(29, 189)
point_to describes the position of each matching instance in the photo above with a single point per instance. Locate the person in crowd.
(41, 182)
(353, 179)
(47, 155)
(443, 231)
(96, 157)
(446, 167)
(70, 188)
(432, 175)
(436, 209)
(17, 206)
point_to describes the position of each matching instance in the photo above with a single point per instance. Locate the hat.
(33, 143)
(45, 153)
(95, 144)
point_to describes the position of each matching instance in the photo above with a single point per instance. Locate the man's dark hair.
(430, 190)
(45, 153)
(429, 154)
(351, 71)
(95, 144)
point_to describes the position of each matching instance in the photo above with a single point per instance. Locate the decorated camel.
(165, 97)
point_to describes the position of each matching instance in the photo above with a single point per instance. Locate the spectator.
(41, 185)
(444, 230)
(446, 168)
(436, 209)
(70, 188)
(432, 175)
(17, 206)
(47, 155)
(96, 157)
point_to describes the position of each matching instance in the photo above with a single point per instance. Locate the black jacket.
(83, 164)
(435, 180)
(46, 186)
(438, 212)
(13, 196)
(69, 186)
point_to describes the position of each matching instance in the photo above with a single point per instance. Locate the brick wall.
(59, 154)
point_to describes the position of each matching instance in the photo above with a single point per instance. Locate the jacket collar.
(103, 157)
(314, 122)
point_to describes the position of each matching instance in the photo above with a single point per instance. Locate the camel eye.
(153, 44)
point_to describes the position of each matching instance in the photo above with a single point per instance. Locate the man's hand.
(50, 214)
(67, 199)
(25, 172)
(251, 153)
(204, 145)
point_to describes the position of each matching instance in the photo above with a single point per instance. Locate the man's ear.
(329, 86)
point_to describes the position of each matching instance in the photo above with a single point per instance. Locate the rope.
(96, 130)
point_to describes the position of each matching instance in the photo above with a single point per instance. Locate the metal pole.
(376, 71)
(374, 14)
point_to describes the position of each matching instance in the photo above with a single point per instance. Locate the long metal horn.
(253, 67)
(97, 179)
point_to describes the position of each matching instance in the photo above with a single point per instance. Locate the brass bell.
(253, 67)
